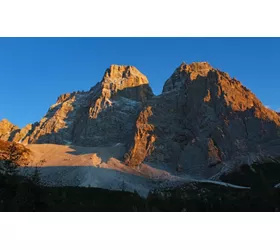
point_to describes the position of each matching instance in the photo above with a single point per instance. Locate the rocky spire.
(124, 76)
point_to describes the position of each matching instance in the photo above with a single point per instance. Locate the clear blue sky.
(35, 71)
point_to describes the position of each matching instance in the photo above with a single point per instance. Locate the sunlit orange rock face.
(203, 121)
(6, 129)
(127, 80)
(121, 77)
(143, 139)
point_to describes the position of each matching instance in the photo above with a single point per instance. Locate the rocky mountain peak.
(119, 81)
(124, 76)
(196, 68)
(186, 73)
(203, 83)
(204, 118)
(6, 122)
(95, 116)
(65, 97)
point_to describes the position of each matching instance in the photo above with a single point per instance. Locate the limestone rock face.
(186, 73)
(21, 135)
(143, 139)
(125, 81)
(104, 115)
(205, 122)
(7, 129)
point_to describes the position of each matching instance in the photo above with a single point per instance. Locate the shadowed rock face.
(203, 124)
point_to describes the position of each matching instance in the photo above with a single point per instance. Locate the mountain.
(204, 123)
(103, 115)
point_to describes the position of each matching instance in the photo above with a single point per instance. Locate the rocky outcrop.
(7, 129)
(11, 132)
(143, 139)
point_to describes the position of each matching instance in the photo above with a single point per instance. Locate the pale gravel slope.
(68, 165)
(92, 166)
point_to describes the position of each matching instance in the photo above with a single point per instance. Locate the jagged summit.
(126, 81)
(117, 72)
(186, 73)
(64, 97)
(119, 77)
(5, 121)
(201, 68)
(213, 86)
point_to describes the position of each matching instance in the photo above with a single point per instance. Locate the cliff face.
(104, 115)
(205, 122)
(202, 124)
(122, 81)
(7, 129)
(143, 139)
